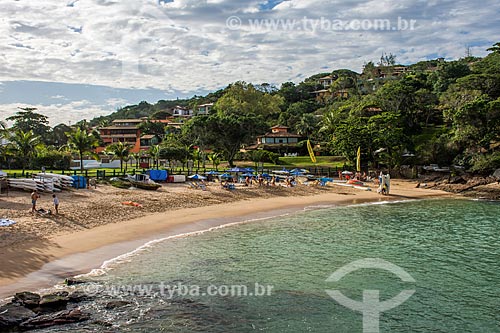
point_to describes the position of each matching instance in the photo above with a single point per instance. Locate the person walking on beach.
(34, 197)
(56, 203)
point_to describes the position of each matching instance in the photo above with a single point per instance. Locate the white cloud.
(67, 113)
(185, 45)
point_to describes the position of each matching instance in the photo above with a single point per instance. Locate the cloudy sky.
(76, 59)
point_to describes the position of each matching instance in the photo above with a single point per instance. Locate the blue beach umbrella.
(212, 173)
(237, 169)
(226, 175)
(248, 175)
(197, 177)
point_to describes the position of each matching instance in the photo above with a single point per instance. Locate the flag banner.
(311, 152)
(358, 160)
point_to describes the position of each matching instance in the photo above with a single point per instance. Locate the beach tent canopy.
(347, 173)
(197, 177)
(299, 171)
(248, 175)
(237, 169)
(158, 175)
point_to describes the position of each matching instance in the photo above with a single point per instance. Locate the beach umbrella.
(296, 172)
(226, 175)
(347, 173)
(250, 170)
(197, 177)
(247, 175)
(212, 173)
(237, 169)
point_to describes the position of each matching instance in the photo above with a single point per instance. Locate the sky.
(78, 59)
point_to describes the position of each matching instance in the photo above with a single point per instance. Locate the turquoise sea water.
(451, 248)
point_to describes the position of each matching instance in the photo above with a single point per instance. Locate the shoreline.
(43, 263)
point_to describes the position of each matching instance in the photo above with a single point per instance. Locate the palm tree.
(136, 157)
(215, 158)
(306, 125)
(121, 151)
(82, 142)
(24, 144)
(154, 152)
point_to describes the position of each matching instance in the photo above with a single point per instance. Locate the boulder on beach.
(12, 314)
(27, 299)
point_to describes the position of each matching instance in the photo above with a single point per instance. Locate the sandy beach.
(94, 225)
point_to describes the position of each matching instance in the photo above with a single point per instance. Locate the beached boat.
(143, 182)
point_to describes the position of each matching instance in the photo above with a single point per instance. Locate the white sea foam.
(127, 257)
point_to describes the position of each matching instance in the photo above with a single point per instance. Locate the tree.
(229, 132)
(27, 120)
(447, 74)
(215, 159)
(153, 128)
(82, 142)
(24, 144)
(495, 48)
(307, 125)
(58, 135)
(154, 152)
(243, 99)
(387, 59)
(121, 151)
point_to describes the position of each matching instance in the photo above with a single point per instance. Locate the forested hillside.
(445, 112)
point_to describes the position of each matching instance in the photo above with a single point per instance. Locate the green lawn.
(302, 162)
(287, 162)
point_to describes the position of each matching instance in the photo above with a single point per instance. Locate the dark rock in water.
(78, 296)
(57, 318)
(102, 323)
(72, 282)
(116, 304)
(11, 315)
(27, 299)
(54, 302)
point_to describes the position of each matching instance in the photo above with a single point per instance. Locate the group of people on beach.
(34, 198)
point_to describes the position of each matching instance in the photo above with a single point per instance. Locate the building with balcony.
(204, 109)
(123, 130)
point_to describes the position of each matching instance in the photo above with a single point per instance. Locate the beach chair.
(193, 185)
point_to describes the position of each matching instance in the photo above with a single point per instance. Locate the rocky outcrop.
(29, 311)
(27, 299)
(12, 315)
(476, 187)
(56, 318)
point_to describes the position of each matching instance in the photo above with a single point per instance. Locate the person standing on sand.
(34, 197)
(56, 203)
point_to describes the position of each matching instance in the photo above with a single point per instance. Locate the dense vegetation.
(444, 112)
